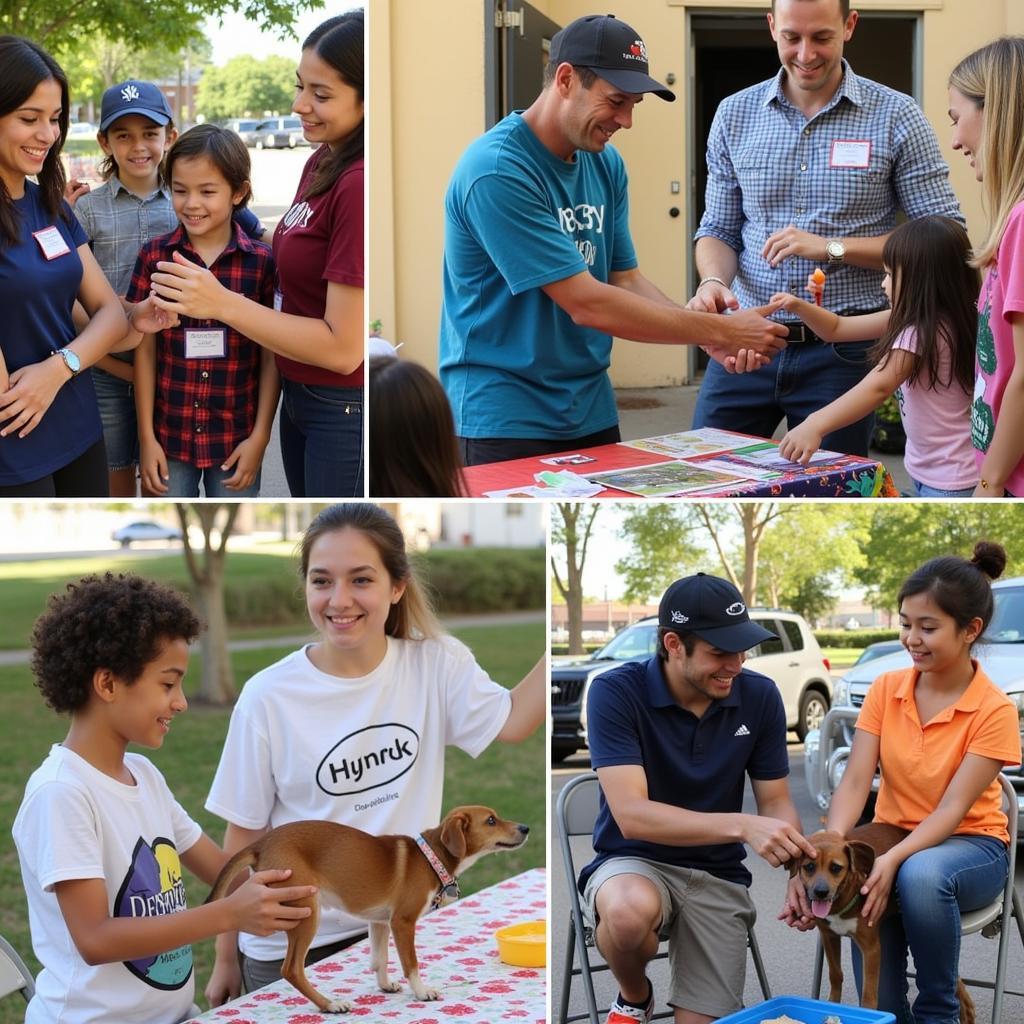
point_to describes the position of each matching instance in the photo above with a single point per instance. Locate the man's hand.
(750, 329)
(791, 241)
(712, 297)
(744, 361)
(777, 841)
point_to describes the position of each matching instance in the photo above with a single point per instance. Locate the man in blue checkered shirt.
(807, 169)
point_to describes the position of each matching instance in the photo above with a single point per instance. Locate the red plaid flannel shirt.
(204, 408)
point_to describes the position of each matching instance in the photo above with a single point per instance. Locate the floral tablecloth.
(458, 954)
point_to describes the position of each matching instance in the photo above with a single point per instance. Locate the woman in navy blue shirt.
(51, 440)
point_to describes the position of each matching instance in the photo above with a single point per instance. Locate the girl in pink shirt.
(925, 353)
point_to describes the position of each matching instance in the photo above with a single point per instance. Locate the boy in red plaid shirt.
(206, 395)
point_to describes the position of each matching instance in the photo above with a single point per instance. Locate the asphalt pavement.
(788, 954)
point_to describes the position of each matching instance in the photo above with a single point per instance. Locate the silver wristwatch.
(835, 250)
(71, 360)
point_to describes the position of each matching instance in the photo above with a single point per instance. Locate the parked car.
(877, 650)
(82, 130)
(1000, 652)
(794, 661)
(279, 133)
(145, 529)
(243, 127)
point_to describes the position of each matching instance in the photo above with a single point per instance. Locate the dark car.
(244, 127)
(279, 133)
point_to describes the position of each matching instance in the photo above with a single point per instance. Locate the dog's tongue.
(821, 908)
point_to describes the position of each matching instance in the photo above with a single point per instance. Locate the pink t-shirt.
(1002, 292)
(937, 422)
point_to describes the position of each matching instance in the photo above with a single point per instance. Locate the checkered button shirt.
(769, 166)
(205, 407)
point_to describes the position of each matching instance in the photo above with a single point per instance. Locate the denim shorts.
(925, 491)
(116, 399)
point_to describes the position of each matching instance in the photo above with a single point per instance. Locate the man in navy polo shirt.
(671, 740)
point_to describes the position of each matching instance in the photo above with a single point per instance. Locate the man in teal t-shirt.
(539, 268)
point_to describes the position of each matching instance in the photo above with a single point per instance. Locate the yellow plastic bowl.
(523, 945)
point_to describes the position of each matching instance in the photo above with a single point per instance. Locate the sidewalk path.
(538, 616)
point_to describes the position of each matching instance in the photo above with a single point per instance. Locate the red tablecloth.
(458, 954)
(848, 476)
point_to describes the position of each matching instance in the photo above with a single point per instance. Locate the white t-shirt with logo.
(366, 752)
(76, 822)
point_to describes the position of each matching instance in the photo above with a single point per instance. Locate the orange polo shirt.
(918, 761)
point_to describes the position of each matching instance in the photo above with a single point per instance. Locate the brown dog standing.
(832, 882)
(385, 880)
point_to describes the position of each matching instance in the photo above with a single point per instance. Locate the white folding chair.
(14, 975)
(576, 812)
(990, 921)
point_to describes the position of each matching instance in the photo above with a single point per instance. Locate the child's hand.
(147, 318)
(73, 190)
(800, 443)
(787, 301)
(259, 909)
(247, 459)
(153, 466)
(225, 981)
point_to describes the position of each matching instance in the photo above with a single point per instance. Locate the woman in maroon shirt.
(316, 328)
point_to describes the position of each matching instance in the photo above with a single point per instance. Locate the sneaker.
(620, 1013)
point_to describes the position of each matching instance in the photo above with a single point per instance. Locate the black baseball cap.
(134, 97)
(611, 49)
(712, 609)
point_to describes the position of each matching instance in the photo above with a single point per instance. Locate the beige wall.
(427, 104)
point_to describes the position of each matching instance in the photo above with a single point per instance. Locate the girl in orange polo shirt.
(941, 732)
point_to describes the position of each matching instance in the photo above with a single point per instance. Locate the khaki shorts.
(705, 920)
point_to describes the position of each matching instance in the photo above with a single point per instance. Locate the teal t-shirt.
(516, 218)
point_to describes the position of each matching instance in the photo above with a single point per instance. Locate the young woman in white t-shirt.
(925, 353)
(353, 727)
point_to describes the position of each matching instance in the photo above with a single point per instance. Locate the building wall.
(427, 104)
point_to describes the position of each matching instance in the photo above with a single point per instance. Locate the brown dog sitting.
(832, 882)
(388, 881)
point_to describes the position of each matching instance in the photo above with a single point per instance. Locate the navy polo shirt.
(696, 763)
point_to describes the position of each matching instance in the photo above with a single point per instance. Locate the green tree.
(247, 87)
(139, 23)
(570, 531)
(661, 547)
(905, 535)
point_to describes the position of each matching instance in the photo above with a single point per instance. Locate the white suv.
(794, 661)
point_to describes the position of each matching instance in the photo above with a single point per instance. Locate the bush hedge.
(854, 637)
(470, 580)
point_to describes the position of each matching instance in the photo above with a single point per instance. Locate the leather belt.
(800, 333)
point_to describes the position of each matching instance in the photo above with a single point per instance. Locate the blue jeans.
(184, 478)
(116, 399)
(322, 440)
(802, 379)
(933, 886)
(924, 491)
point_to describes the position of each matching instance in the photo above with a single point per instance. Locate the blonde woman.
(986, 106)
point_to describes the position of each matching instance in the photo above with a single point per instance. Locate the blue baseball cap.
(714, 610)
(134, 97)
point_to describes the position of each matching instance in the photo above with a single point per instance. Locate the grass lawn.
(510, 778)
(841, 658)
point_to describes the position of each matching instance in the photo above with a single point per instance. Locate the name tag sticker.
(206, 344)
(850, 153)
(278, 300)
(52, 243)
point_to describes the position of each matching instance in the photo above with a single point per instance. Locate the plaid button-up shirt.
(118, 222)
(769, 166)
(205, 407)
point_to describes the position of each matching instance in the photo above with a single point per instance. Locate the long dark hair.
(413, 451)
(934, 291)
(25, 65)
(339, 42)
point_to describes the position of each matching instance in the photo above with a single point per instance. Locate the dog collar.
(449, 884)
(857, 898)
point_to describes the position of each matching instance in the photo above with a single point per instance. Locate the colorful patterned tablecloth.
(845, 476)
(458, 954)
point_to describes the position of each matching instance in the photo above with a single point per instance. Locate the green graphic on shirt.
(983, 424)
(986, 343)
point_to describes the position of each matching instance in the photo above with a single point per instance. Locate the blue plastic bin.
(810, 1011)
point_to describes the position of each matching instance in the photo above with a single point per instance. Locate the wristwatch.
(835, 250)
(71, 360)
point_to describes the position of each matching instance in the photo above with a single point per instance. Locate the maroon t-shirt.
(316, 241)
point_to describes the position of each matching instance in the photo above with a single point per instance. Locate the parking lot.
(788, 954)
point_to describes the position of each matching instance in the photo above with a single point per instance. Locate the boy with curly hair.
(100, 837)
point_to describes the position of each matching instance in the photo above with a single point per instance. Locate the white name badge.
(207, 344)
(52, 243)
(850, 153)
(278, 300)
